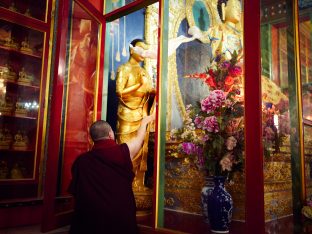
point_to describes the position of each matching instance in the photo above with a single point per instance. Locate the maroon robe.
(102, 187)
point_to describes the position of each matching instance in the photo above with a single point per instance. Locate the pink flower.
(211, 124)
(188, 148)
(235, 71)
(198, 121)
(269, 133)
(215, 100)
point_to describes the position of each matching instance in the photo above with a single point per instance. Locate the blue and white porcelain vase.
(220, 207)
(205, 192)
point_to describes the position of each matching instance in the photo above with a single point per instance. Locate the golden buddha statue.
(225, 37)
(134, 90)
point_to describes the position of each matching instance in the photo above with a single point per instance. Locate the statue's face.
(233, 11)
(136, 55)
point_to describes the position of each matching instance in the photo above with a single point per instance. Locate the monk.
(102, 183)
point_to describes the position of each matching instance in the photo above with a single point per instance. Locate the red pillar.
(253, 118)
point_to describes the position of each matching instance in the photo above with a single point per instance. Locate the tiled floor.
(32, 230)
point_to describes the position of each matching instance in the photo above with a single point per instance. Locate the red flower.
(229, 81)
(211, 82)
(210, 72)
(203, 76)
(197, 75)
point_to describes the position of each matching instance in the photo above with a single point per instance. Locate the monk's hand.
(149, 118)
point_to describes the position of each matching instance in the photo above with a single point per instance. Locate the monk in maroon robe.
(102, 183)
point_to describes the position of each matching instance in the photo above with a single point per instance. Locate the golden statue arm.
(127, 90)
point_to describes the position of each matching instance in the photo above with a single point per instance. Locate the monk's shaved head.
(100, 130)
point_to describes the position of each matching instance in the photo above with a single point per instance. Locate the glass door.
(131, 60)
(285, 60)
(76, 87)
(204, 137)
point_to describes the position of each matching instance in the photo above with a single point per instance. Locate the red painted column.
(253, 118)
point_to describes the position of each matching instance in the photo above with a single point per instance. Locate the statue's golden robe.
(133, 87)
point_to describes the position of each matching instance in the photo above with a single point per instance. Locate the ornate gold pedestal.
(144, 203)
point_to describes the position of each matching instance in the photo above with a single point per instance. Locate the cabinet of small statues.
(20, 90)
(26, 7)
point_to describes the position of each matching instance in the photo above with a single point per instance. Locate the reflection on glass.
(305, 35)
(203, 137)
(305, 30)
(308, 159)
(131, 79)
(80, 87)
(276, 112)
(26, 7)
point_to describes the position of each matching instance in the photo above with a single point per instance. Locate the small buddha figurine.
(7, 73)
(6, 105)
(19, 142)
(20, 108)
(16, 172)
(27, 12)
(12, 7)
(10, 42)
(24, 78)
(134, 89)
(25, 47)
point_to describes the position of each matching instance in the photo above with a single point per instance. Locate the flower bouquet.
(213, 132)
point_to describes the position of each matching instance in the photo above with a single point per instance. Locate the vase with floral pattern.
(205, 192)
(220, 207)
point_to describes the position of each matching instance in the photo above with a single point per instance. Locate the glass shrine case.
(21, 107)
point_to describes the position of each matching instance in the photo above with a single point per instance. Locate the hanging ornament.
(112, 77)
(124, 50)
(118, 41)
